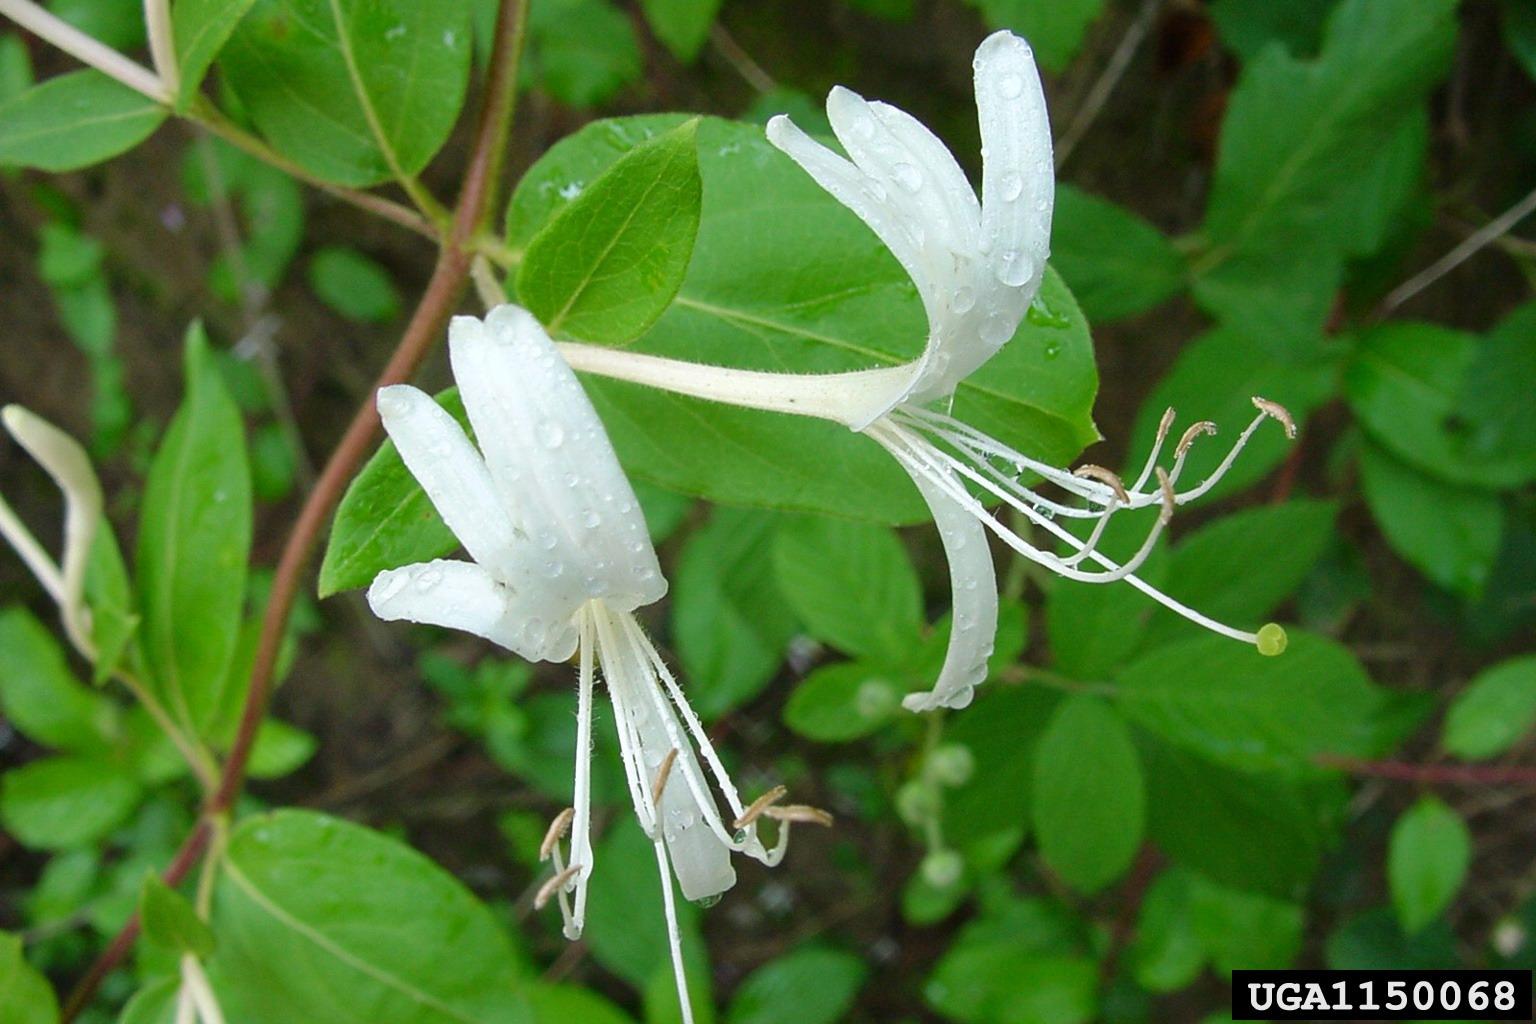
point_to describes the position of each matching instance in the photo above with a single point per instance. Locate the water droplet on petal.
(590, 519)
(428, 579)
(1015, 268)
(551, 434)
(964, 300)
(908, 177)
(996, 328)
(1010, 187)
(1009, 86)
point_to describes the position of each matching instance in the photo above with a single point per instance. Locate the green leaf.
(1247, 831)
(852, 584)
(1297, 133)
(63, 802)
(1248, 26)
(155, 1003)
(582, 52)
(626, 931)
(843, 701)
(25, 995)
(119, 25)
(356, 91)
(1238, 568)
(992, 810)
(1494, 404)
(1215, 378)
(1373, 941)
(1089, 805)
(1494, 712)
(334, 922)
(15, 67)
(1117, 264)
(201, 28)
(562, 1004)
(1055, 29)
(280, 749)
(1223, 700)
(730, 623)
(39, 694)
(681, 25)
(73, 121)
(806, 986)
(1166, 953)
(1020, 965)
(1519, 23)
(1450, 534)
(385, 519)
(1242, 929)
(353, 285)
(784, 278)
(611, 261)
(170, 922)
(1405, 384)
(109, 594)
(1093, 627)
(194, 538)
(1426, 862)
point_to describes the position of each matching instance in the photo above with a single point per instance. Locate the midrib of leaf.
(73, 126)
(357, 963)
(370, 115)
(381, 526)
(165, 600)
(602, 258)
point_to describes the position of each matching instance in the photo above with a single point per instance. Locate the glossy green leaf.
(1089, 804)
(40, 695)
(64, 802)
(611, 261)
(1238, 568)
(1215, 378)
(1450, 534)
(1494, 712)
(385, 520)
(1054, 29)
(194, 538)
(335, 922)
(729, 620)
(169, 921)
(785, 278)
(1244, 930)
(681, 25)
(120, 25)
(1223, 700)
(582, 52)
(15, 67)
(1248, 26)
(25, 995)
(1405, 385)
(806, 986)
(563, 1004)
(992, 810)
(357, 92)
(1427, 861)
(353, 285)
(201, 28)
(1117, 264)
(1166, 952)
(844, 701)
(155, 1003)
(73, 121)
(280, 749)
(852, 584)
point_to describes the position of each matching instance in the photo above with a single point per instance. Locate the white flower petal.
(550, 459)
(1018, 177)
(451, 472)
(465, 596)
(973, 582)
(868, 199)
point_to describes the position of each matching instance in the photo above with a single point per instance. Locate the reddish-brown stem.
(1434, 774)
(450, 277)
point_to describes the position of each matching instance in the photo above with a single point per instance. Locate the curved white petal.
(465, 596)
(1018, 177)
(450, 470)
(973, 583)
(582, 534)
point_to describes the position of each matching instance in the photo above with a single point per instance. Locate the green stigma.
(1271, 640)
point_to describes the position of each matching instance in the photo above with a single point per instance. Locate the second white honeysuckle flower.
(560, 561)
(977, 265)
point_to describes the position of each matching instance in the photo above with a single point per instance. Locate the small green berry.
(942, 868)
(1272, 640)
(917, 802)
(951, 764)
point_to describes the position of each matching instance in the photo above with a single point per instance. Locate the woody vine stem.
(478, 199)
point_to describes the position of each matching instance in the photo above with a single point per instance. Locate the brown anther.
(1276, 411)
(1166, 424)
(662, 774)
(757, 807)
(554, 885)
(800, 812)
(1169, 498)
(1106, 477)
(1194, 431)
(557, 830)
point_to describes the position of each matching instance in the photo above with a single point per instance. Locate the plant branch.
(1474, 243)
(53, 29)
(449, 280)
(1099, 95)
(1434, 774)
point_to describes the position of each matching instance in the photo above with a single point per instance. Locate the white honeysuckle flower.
(560, 561)
(67, 463)
(977, 266)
